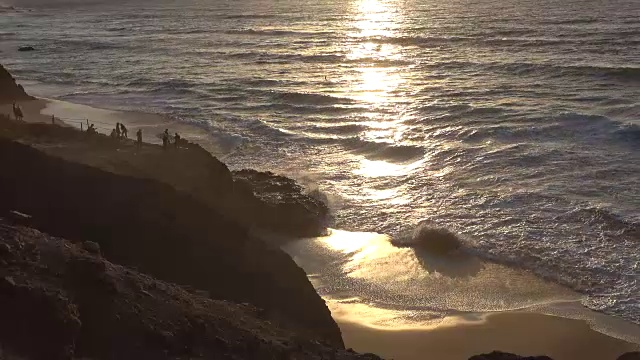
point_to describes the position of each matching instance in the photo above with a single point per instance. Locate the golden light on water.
(375, 80)
(377, 168)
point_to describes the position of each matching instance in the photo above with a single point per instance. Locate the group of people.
(166, 139)
(120, 132)
(17, 112)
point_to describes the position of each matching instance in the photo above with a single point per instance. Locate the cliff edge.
(149, 225)
(10, 91)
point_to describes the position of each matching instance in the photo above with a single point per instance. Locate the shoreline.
(520, 332)
(508, 309)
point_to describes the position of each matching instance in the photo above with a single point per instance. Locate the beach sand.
(458, 338)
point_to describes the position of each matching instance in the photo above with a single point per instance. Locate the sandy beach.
(516, 332)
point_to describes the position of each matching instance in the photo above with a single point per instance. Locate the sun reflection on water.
(375, 80)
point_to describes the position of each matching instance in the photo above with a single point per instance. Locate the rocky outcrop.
(497, 355)
(279, 204)
(157, 229)
(257, 200)
(59, 301)
(9, 90)
(630, 356)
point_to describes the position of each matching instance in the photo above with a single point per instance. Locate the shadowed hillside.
(151, 226)
(71, 303)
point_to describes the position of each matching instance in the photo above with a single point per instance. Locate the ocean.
(514, 124)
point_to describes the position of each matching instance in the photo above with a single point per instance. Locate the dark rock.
(635, 355)
(5, 250)
(17, 217)
(91, 247)
(7, 285)
(72, 316)
(45, 318)
(498, 355)
(279, 204)
(162, 231)
(9, 90)
(26, 48)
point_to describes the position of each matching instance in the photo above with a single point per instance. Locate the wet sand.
(516, 332)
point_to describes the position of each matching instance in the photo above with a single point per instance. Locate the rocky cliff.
(258, 200)
(149, 225)
(62, 300)
(9, 90)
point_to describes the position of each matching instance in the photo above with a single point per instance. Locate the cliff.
(257, 200)
(62, 300)
(9, 90)
(154, 227)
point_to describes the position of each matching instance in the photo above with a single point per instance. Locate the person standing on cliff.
(125, 132)
(165, 139)
(176, 140)
(139, 138)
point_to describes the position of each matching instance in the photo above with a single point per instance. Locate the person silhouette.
(165, 139)
(176, 140)
(118, 134)
(17, 112)
(139, 138)
(124, 131)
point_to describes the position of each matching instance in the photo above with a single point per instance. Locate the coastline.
(519, 332)
(522, 313)
(523, 333)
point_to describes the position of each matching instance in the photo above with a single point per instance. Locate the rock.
(7, 285)
(498, 355)
(45, 318)
(91, 247)
(17, 217)
(26, 48)
(279, 204)
(630, 356)
(165, 232)
(9, 90)
(5, 250)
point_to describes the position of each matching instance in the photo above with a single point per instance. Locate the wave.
(249, 16)
(338, 129)
(565, 126)
(84, 45)
(603, 219)
(280, 58)
(309, 98)
(384, 151)
(623, 73)
(577, 21)
(308, 109)
(629, 133)
(276, 32)
(437, 240)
